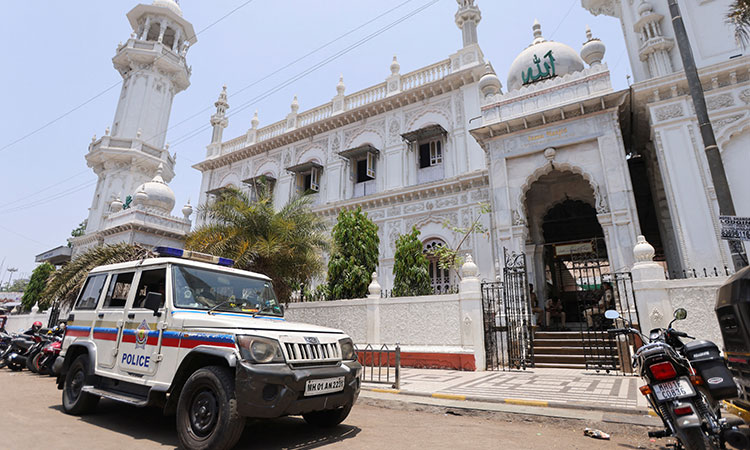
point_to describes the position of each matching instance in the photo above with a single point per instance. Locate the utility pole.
(715, 164)
(11, 270)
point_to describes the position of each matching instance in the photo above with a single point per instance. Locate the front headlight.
(260, 350)
(347, 349)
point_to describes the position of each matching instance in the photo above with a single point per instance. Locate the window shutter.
(314, 184)
(371, 165)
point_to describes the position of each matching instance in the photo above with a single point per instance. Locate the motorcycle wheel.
(15, 367)
(30, 363)
(695, 439)
(37, 363)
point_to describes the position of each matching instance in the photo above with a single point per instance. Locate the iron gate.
(595, 288)
(508, 337)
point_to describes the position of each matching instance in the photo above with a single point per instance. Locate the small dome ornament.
(374, 288)
(489, 84)
(187, 210)
(158, 195)
(469, 269)
(255, 121)
(141, 197)
(395, 66)
(172, 5)
(340, 87)
(295, 105)
(645, 8)
(116, 205)
(643, 251)
(593, 49)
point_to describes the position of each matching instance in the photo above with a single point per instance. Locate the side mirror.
(281, 308)
(680, 314)
(611, 314)
(153, 301)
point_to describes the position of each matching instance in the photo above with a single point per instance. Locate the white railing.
(366, 96)
(232, 145)
(426, 75)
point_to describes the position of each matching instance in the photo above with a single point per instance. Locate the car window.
(91, 291)
(151, 281)
(119, 287)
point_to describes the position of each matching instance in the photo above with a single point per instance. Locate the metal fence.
(380, 365)
(705, 272)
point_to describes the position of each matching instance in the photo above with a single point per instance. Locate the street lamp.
(11, 270)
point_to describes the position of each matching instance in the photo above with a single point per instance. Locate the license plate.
(324, 386)
(673, 389)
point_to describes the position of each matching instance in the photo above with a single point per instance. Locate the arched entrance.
(570, 257)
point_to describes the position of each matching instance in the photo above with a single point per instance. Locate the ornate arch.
(732, 126)
(314, 153)
(361, 137)
(429, 117)
(266, 167)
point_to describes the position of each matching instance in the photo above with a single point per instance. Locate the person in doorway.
(606, 301)
(555, 310)
(534, 305)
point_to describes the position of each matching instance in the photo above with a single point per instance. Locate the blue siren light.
(195, 256)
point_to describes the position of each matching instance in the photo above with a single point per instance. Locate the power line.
(189, 135)
(58, 196)
(286, 66)
(23, 236)
(572, 4)
(67, 113)
(44, 189)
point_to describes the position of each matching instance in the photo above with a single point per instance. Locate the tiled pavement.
(558, 387)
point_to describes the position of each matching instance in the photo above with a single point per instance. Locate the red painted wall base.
(455, 361)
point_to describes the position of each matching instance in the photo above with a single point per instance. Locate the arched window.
(168, 39)
(440, 278)
(153, 32)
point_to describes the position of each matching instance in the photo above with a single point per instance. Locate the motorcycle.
(45, 359)
(685, 383)
(15, 355)
(5, 344)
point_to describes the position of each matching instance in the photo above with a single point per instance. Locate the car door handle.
(100, 315)
(131, 316)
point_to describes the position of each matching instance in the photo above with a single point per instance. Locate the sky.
(58, 68)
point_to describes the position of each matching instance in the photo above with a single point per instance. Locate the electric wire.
(91, 99)
(286, 66)
(191, 134)
(28, 196)
(46, 200)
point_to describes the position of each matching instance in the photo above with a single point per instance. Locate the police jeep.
(204, 341)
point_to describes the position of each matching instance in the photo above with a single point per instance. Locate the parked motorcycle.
(15, 354)
(685, 383)
(5, 345)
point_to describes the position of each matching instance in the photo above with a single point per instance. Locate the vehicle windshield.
(220, 291)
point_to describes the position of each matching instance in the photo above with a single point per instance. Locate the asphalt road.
(31, 418)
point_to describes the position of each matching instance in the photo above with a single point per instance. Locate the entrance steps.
(571, 349)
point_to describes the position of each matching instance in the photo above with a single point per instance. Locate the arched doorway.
(570, 257)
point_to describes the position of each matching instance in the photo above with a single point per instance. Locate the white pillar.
(650, 288)
(470, 305)
(373, 311)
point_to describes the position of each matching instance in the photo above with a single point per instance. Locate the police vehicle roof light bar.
(195, 256)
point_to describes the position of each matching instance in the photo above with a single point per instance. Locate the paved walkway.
(562, 388)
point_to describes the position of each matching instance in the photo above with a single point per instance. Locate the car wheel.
(207, 416)
(329, 418)
(74, 400)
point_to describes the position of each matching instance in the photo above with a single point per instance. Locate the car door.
(140, 342)
(84, 312)
(110, 317)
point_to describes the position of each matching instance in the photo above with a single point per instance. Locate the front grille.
(303, 353)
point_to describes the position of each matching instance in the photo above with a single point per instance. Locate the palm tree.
(286, 245)
(739, 17)
(64, 284)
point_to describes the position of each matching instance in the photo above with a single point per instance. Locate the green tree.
(37, 283)
(448, 257)
(18, 285)
(410, 268)
(79, 230)
(286, 245)
(354, 257)
(63, 285)
(739, 18)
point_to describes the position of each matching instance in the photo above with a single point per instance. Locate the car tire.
(207, 416)
(74, 400)
(328, 418)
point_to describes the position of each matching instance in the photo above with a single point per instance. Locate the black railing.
(380, 365)
(705, 272)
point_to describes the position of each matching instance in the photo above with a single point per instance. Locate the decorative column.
(291, 118)
(393, 82)
(339, 104)
(252, 133)
(219, 121)
(470, 306)
(655, 48)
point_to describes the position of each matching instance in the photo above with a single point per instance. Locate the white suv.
(188, 333)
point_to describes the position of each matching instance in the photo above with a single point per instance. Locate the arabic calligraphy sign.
(528, 76)
(735, 228)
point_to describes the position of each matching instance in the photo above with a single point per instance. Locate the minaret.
(655, 47)
(219, 121)
(153, 67)
(467, 18)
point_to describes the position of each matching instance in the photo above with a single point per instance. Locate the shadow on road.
(149, 424)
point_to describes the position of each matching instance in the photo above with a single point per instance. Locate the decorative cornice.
(457, 184)
(449, 83)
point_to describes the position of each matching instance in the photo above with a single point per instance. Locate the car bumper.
(275, 390)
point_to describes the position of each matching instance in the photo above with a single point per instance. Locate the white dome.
(541, 60)
(158, 194)
(169, 4)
